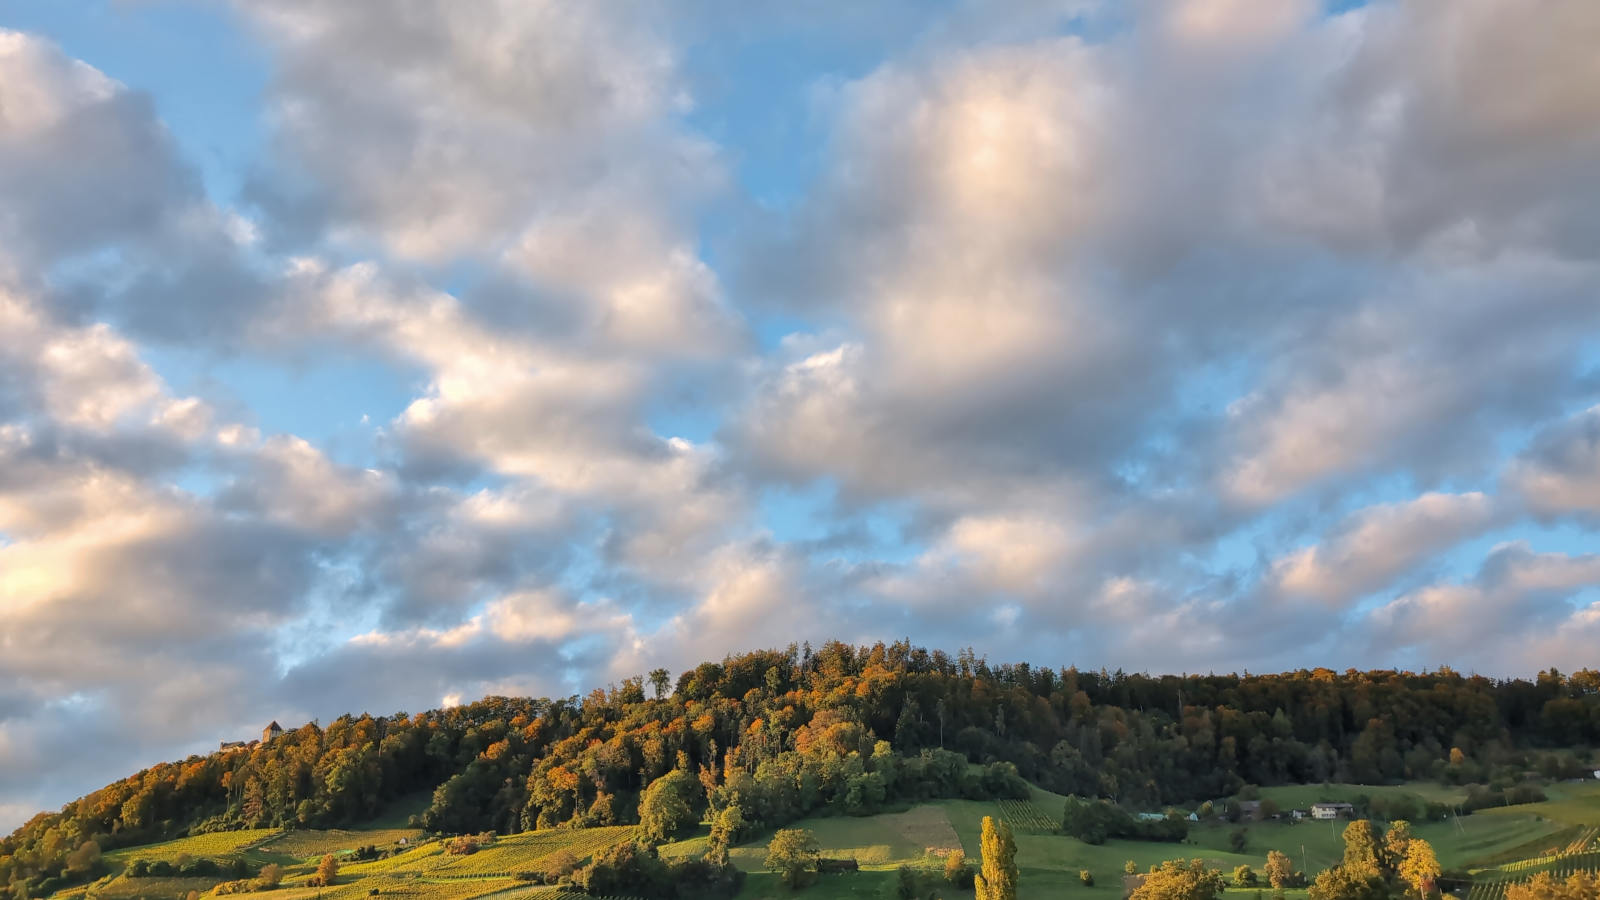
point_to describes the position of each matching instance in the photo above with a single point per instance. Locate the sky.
(366, 356)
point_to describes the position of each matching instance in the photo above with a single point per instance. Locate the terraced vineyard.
(217, 845)
(417, 859)
(1560, 866)
(531, 851)
(1027, 818)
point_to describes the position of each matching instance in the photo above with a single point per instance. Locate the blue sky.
(353, 361)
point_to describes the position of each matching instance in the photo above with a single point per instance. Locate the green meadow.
(918, 836)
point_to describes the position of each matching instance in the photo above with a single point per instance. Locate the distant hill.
(850, 729)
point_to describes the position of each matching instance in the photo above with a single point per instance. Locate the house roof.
(274, 726)
(1332, 805)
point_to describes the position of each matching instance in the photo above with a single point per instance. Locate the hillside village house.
(270, 732)
(1332, 811)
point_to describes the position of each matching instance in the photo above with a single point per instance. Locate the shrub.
(956, 870)
(1087, 877)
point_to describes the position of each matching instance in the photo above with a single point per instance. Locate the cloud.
(1560, 473)
(1377, 544)
(1517, 601)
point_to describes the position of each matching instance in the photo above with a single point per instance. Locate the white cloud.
(1560, 474)
(1378, 544)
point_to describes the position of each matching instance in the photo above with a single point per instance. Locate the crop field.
(1026, 818)
(1494, 888)
(417, 859)
(530, 852)
(217, 845)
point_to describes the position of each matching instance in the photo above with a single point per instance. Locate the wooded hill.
(849, 729)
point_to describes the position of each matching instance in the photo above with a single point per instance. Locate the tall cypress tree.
(998, 878)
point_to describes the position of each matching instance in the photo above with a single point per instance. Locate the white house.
(1332, 810)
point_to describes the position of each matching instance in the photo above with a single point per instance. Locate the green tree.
(1238, 839)
(1179, 880)
(1280, 870)
(660, 679)
(792, 855)
(906, 888)
(997, 879)
(664, 809)
(726, 829)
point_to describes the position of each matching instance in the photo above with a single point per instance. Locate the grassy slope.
(1049, 863)
(1574, 804)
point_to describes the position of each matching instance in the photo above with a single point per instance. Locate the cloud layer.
(1179, 336)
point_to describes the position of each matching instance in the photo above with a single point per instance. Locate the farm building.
(1332, 811)
(1250, 810)
(232, 745)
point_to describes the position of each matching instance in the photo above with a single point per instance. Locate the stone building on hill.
(270, 732)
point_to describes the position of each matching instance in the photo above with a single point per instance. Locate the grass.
(306, 844)
(919, 836)
(1301, 796)
(1570, 803)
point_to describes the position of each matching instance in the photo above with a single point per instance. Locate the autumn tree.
(956, 870)
(997, 879)
(1360, 875)
(270, 877)
(1179, 880)
(1279, 869)
(1396, 841)
(1361, 849)
(1545, 886)
(327, 871)
(792, 855)
(1419, 867)
(1244, 876)
(1344, 883)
